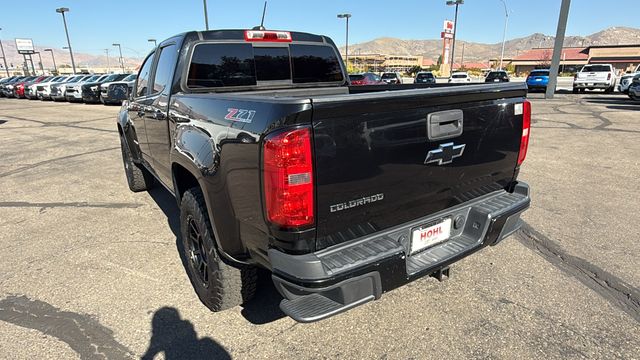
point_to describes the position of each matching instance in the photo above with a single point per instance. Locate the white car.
(58, 91)
(73, 91)
(460, 77)
(43, 89)
(595, 76)
(626, 80)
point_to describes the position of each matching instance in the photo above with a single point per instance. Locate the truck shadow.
(264, 308)
(177, 339)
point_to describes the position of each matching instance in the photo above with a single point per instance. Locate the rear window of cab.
(242, 64)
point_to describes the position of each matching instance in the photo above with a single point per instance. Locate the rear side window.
(315, 63)
(143, 77)
(216, 65)
(164, 69)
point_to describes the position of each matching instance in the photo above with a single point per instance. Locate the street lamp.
(62, 10)
(504, 33)
(121, 60)
(108, 65)
(206, 16)
(346, 51)
(4, 58)
(55, 68)
(155, 43)
(455, 28)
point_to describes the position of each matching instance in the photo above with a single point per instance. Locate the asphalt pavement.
(91, 270)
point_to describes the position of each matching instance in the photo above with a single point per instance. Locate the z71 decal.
(242, 115)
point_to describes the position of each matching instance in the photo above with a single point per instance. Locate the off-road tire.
(608, 90)
(224, 286)
(575, 90)
(138, 178)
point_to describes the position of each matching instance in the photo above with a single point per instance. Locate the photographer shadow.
(177, 339)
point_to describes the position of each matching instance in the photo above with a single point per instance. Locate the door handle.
(158, 115)
(444, 124)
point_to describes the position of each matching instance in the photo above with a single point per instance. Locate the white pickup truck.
(626, 80)
(595, 76)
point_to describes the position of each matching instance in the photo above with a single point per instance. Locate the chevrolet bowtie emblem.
(444, 154)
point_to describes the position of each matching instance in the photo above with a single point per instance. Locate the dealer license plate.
(423, 237)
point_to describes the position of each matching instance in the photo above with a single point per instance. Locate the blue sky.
(95, 25)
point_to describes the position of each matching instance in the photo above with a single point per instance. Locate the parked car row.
(87, 88)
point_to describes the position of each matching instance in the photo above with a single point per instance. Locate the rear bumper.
(591, 85)
(325, 283)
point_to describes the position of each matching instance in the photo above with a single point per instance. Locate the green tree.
(414, 70)
(439, 62)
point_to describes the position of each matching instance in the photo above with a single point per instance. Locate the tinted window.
(459, 76)
(539, 73)
(596, 68)
(143, 78)
(272, 63)
(388, 76)
(315, 63)
(356, 77)
(215, 65)
(425, 76)
(164, 69)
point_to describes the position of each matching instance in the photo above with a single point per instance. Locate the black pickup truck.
(342, 192)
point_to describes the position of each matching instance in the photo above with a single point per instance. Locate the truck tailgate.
(371, 151)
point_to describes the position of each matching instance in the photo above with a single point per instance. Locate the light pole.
(504, 33)
(206, 16)
(455, 28)
(4, 58)
(55, 68)
(155, 43)
(108, 64)
(346, 47)
(62, 10)
(121, 60)
(40, 58)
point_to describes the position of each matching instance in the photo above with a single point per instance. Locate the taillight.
(272, 36)
(526, 126)
(609, 76)
(288, 178)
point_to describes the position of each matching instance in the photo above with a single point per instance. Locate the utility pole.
(462, 57)
(62, 10)
(557, 48)
(504, 33)
(40, 58)
(108, 64)
(4, 58)
(346, 47)
(206, 16)
(455, 29)
(55, 68)
(121, 60)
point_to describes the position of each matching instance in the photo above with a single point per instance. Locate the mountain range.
(430, 48)
(62, 57)
(473, 51)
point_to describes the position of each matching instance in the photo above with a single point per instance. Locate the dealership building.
(624, 58)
